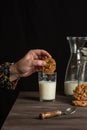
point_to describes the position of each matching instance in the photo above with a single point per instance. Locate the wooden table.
(25, 114)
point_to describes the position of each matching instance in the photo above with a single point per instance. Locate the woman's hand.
(29, 64)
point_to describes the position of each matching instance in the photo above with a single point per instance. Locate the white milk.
(47, 90)
(69, 86)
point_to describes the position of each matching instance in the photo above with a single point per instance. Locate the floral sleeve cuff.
(5, 77)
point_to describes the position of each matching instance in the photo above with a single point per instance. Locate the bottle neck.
(78, 55)
(76, 43)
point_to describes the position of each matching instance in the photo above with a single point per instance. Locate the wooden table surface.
(25, 114)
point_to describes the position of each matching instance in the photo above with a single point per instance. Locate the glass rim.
(74, 37)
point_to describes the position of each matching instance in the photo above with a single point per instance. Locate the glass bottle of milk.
(71, 75)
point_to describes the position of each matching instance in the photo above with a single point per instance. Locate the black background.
(37, 24)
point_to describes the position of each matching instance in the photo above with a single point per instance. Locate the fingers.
(39, 63)
(41, 52)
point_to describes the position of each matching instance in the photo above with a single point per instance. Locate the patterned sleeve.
(5, 77)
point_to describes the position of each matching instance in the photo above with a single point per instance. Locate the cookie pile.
(50, 67)
(80, 95)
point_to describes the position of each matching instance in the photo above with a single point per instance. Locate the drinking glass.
(47, 86)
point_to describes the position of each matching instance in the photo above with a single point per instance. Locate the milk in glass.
(69, 87)
(47, 86)
(47, 90)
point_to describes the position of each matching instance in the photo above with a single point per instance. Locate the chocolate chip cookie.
(50, 67)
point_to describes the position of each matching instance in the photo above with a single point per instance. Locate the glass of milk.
(47, 86)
